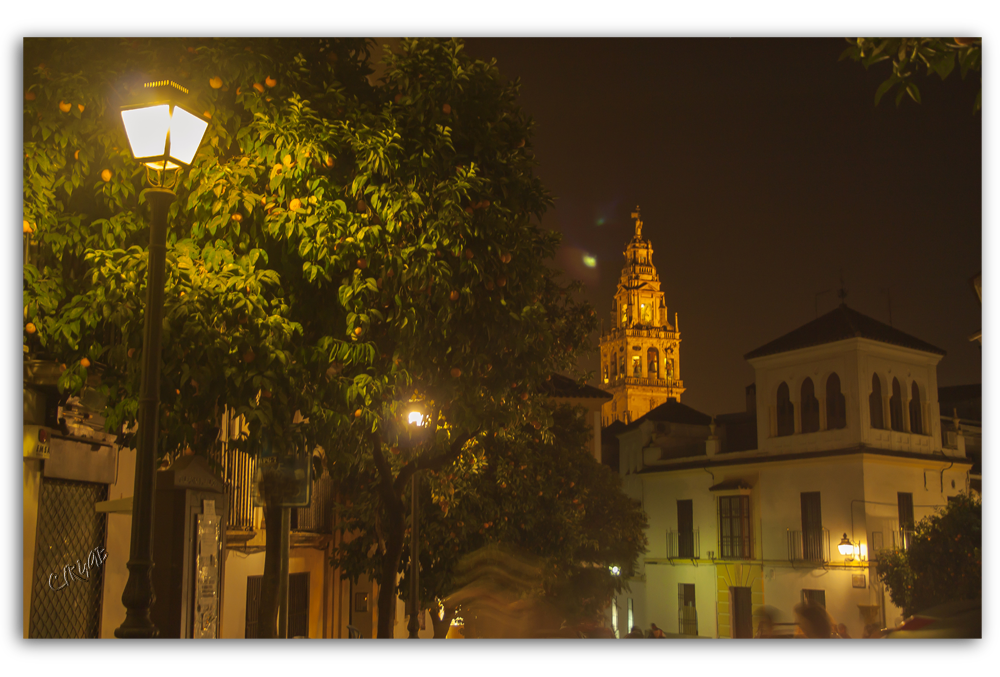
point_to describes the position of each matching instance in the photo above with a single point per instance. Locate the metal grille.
(809, 546)
(318, 517)
(237, 471)
(687, 614)
(683, 544)
(68, 531)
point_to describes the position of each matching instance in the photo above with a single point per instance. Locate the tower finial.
(637, 215)
(842, 293)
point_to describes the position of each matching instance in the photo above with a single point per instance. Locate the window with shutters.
(687, 614)
(809, 408)
(896, 407)
(875, 404)
(905, 504)
(786, 411)
(735, 538)
(916, 425)
(836, 404)
(741, 617)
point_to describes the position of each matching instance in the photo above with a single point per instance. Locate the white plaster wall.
(784, 590)
(118, 544)
(661, 596)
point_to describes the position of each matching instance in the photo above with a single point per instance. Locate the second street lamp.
(417, 429)
(164, 137)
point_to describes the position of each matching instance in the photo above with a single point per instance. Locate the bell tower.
(640, 355)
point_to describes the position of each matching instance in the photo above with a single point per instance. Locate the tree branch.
(421, 462)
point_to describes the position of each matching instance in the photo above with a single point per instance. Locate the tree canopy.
(943, 562)
(908, 55)
(341, 246)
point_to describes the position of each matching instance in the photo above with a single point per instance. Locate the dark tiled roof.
(729, 485)
(839, 324)
(563, 386)
(673, 411)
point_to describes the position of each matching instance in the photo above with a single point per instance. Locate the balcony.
(646, 381)
(808, 546)
(683, 544)
(890, 540)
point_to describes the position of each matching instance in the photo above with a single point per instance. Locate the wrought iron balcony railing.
(683, 544)
(811, 545)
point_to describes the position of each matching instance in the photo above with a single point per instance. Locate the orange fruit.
(520, 144)
(64, 107)
(30, 96)
(237, 217)
(28, 228)
(395, 450)
(329, 161)
(85, 363)
(238, 90)
(489, 285)
(358, 331)
(131, 352)
(80, 106)
(106, 175)
(294, 204)
(207, 115)
(454, 295)
(30, 328)
(502, 281)
(468, 253)
(362, 264)
(398, 98)
(456, 372)
(266, 394)
(259, 87)
(76, 155)
(249, 356)
(524, 395)
(446, 108)
(215, 83)
(270, 82)
(357, 413)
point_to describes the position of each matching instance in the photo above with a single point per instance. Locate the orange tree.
(532, 487)
(338, 242)
(908, 56)
(944, 561)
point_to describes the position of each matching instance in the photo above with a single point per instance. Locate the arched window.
(875, 403)
(836, 407)
(786, 411)
(915, 422)
(896, 407)
(614, 367)
(810, 408)
(653, 359)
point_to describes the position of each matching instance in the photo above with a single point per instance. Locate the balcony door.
(685, 529)
(812, 527)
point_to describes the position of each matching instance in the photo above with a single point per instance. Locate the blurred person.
(813, 620)
(765, 622)
(655, 632)
(842, 631)
(872, 631)
(635, 634)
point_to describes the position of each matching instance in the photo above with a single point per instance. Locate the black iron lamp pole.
(164, 137)
(414, 624)
(139, 595)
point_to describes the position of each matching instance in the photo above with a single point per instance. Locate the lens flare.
(589, 261)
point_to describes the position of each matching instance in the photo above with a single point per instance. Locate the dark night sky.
(763, 169)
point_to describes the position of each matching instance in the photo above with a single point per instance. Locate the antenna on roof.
(842, 294)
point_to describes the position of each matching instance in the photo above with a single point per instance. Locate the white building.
(842, 439)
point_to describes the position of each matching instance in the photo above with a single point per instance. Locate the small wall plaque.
(858, 580)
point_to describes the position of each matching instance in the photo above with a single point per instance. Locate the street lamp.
(417, 430)
(846, 548)
(164, 137)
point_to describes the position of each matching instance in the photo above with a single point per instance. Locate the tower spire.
(637, 215)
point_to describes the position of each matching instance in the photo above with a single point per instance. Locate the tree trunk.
(390, 566)
(267, 614)
(441, 626)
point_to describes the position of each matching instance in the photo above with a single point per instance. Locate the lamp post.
(164, 137)
(417, 429)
